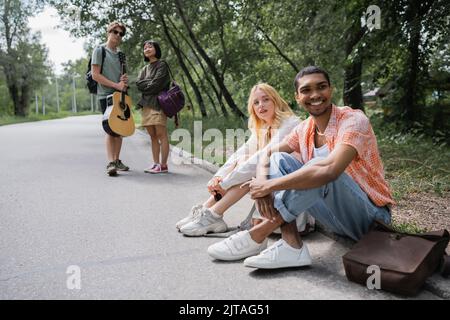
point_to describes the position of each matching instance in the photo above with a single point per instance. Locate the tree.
(219, 79)
(23, 59)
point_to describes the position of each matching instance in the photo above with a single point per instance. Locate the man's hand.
(121, 86)
(124, 78)
(259, 187)
(265, 207)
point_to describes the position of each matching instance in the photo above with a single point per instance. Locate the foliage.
(23, 60)
(218, 50)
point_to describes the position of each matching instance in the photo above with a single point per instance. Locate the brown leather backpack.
(405, 261)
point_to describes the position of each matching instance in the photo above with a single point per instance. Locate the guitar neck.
(123, 68)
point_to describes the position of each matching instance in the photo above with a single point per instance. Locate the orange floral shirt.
(351, 127)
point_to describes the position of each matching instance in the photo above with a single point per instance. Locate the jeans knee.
(278, 157)
(278, 161)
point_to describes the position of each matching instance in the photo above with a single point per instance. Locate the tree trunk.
(353, 68)
(184, 68)
(202, 85)
(191, 106)
(14, 93)
(212, 67)
(205, 73)
(24, 100)
(410, 99)
(352, 84)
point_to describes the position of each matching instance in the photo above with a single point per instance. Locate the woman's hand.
(214, 185)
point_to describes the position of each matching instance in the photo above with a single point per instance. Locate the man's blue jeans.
(341, 205)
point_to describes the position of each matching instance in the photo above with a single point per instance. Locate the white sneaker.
(236, 247)
(205, 222)
(195, 211)
(280, 255)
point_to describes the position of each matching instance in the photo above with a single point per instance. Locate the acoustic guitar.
(120, 118)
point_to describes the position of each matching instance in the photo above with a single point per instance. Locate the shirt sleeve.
(141, 75)
(97, 56)
(157, 83)
(247, 170)
(355, 131)
(293, 140)
(244, 151)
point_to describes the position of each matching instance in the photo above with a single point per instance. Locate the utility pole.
(57, 94)
(36, 101)
(74, 105)
(43, 104)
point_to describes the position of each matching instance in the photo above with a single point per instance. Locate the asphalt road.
(63, 217)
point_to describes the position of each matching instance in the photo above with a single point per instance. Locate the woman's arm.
(157, 83)
(247, 170)
(243, 151)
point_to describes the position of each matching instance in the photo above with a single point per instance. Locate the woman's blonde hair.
(282, 111)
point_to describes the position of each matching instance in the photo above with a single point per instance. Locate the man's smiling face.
(314, 93)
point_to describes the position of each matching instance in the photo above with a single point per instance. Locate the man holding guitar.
(110, 79)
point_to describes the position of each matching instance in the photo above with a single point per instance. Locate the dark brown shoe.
(111, 169)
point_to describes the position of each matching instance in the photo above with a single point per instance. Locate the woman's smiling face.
(149, 50)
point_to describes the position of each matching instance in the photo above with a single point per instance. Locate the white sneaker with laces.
(280, 255)
(236, 247)
(204, 222)
(195, 211)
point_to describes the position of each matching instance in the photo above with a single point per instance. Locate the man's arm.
(97, 76)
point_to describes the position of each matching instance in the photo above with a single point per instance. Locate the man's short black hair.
(310, 70)
(157, 49)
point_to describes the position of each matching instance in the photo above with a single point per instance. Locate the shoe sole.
(199, 233)
(261, 266)
(228, 258)
(112, 173)
(232, 258)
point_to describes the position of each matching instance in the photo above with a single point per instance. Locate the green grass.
(4, 120)
(407, 227)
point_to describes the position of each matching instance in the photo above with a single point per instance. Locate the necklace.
(319, 133)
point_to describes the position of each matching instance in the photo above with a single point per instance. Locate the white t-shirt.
(321, 152)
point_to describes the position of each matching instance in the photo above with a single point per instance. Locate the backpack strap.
(103, 58)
